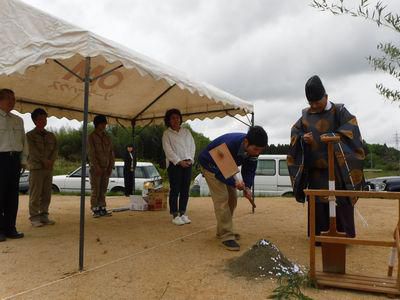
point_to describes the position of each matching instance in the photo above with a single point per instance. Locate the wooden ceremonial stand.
(334, 243)
(333, 255)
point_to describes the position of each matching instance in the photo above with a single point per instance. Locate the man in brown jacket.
(101, 161)
(42, 155)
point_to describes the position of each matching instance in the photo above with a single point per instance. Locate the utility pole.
(397, 140)
(370, 156)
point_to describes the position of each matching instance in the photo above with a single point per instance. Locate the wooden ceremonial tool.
(394, 251)
(388, 284)
(253, 204)
(224, 160)
(333, 255)
(227, 165)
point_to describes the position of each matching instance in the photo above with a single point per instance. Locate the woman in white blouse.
(179, 148)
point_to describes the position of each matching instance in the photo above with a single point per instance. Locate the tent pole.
(83, 178)
(133, 123)
(252, 188)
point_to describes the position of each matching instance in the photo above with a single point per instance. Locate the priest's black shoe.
(14, 235)
(2, 237)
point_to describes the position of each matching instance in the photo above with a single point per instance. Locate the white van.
(272, 178)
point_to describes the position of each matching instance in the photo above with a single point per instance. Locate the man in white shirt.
(179, 148)
(13, 156)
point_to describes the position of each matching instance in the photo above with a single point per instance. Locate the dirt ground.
(142, 255)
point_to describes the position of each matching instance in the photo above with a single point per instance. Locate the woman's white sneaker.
(185, 219)
(178, 221)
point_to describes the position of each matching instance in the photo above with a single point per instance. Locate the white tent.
(76, 74)
(32, 43)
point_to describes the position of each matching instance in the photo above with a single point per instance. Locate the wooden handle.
(330, 138)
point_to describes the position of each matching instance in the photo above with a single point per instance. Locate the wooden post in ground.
(312, 236)
(333, 255)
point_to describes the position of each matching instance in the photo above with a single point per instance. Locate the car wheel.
(288, 194)
(55, 189)
(118, 189)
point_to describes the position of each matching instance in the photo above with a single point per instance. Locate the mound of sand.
(263, 260)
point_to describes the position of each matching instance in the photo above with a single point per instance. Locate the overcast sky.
(261, 51)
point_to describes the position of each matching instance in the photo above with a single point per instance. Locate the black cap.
(99, 119)
(314, 89)
(38, 112)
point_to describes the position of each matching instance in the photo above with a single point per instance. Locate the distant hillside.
(382, 157)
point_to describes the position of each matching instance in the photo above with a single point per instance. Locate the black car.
(389, 183)
(393, 185)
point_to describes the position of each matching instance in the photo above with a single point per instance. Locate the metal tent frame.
(86, 81)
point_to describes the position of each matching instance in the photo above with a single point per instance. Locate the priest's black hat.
(314, 89)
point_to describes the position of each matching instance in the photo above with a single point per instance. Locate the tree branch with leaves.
(389, 62)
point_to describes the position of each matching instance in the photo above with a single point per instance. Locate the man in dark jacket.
(101, 162)
(244, 148)
(308, 154)
(129, 170)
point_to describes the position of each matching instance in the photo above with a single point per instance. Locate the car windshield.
(151, 171)
(78, 173)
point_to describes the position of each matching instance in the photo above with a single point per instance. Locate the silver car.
(146, 176)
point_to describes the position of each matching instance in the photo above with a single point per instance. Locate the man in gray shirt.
(13, 155)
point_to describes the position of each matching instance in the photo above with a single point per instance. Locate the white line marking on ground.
(114, 261)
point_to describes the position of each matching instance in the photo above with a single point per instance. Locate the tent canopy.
(38, 49)
(76, 74)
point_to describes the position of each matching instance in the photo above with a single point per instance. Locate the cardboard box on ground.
(155, 200)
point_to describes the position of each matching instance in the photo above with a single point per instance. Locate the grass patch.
(383, 173)
(63, 167)
(290, 286)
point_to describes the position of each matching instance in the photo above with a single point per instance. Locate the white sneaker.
(185, 219)
(178, 221)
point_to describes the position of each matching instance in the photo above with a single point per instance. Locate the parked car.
(389, 183)
(146, 176)
(271, 179)
(24, 182)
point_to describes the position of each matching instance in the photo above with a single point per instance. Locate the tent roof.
(34, 44)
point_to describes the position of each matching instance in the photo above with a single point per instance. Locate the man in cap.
(101, 161)
(323, 117)
(13, 155)
(42, 155)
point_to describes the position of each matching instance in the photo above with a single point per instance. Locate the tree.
(389, 62)
(147, 141)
